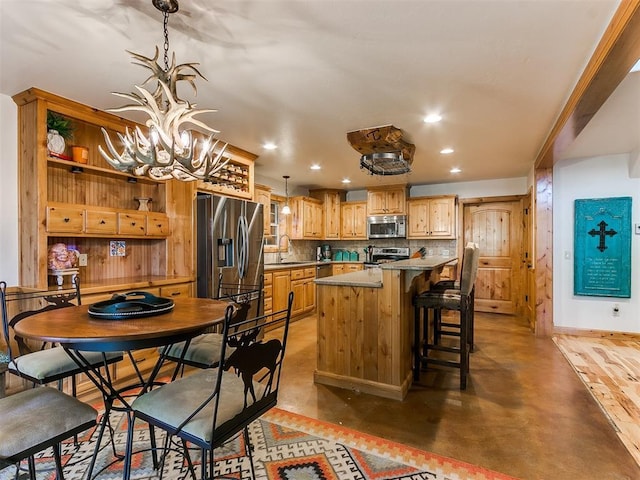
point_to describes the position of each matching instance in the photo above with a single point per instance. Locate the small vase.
(144, 204)
(55, 142)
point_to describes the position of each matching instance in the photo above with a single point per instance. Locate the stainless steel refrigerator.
(229, 242)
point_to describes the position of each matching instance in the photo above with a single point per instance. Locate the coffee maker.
(324, 253)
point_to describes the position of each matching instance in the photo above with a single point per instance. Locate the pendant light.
(286, 210)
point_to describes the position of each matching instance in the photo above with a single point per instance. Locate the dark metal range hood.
(383, 150)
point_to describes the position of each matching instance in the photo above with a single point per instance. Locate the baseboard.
(580, 332)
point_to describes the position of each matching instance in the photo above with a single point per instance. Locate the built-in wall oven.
(386, 226)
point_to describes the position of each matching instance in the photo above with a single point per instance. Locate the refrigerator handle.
(242, 246)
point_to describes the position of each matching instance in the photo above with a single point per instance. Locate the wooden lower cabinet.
(281, 289)
(298, 288)
(300, 281)
(340, 268)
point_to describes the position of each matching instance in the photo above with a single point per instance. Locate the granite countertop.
(369, 277)
(426, 263)
(301, 263)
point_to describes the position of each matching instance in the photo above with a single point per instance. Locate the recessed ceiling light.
(455, 170)
(446, 151)
(269, 146)
(432, 118)
(346, 180)
(315, 166)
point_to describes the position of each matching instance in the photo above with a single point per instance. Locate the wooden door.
(496, 227)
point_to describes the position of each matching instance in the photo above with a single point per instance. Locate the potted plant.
(59, 129)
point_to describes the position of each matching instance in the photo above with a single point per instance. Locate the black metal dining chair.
(203, 351)
(453, 299)
(211, 406)
(45, 363)
(38, 418)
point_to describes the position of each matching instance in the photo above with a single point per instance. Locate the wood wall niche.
(90, 208)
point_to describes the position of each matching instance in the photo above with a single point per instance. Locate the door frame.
(462, 203)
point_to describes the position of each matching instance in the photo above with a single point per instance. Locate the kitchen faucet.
(288, 246)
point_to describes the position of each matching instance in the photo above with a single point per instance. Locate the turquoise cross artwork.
(602, 232)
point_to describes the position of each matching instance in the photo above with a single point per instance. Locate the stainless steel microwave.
(387, 226)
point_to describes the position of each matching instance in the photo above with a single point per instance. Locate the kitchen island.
(365, 325)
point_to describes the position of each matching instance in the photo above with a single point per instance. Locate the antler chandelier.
(170, 150)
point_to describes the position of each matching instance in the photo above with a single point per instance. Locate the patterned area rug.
(610, 369)
(287, 446)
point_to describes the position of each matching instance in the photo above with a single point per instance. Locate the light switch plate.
(636, 228)
(82, 260)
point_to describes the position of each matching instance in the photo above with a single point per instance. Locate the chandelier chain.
(166, 41)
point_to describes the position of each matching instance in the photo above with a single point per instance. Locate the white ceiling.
(304, 73)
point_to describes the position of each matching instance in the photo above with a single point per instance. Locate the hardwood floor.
(610, 368)
(525, 412)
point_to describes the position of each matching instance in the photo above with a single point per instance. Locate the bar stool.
(448, 328)
(451, 299)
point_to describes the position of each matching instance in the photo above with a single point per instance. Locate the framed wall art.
(602, 246)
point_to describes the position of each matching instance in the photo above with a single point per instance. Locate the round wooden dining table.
(73, 328)
(76, 331)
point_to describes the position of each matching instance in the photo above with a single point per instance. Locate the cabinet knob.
(102, 222)
(133, 224)
(66, 219)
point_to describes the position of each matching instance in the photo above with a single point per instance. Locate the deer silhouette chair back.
(203, 351)
(211, 406)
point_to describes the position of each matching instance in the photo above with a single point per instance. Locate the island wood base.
(365, 334)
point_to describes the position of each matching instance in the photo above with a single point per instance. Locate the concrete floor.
(524, 413)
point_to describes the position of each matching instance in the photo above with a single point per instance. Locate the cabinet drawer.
(132, 223)
(297, 274)
(65, 219)
(268, 278)
(101, 222)
(157, 224)
(310, 272)
(268, 291)
(268, 305)
(182, 290)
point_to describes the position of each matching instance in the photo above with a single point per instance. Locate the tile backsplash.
(305, 250)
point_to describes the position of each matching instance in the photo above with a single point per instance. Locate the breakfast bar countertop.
(369, 278)
(430, 262)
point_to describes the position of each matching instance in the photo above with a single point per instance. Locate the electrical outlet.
(445, 253)
(430, 251)
(82, 260)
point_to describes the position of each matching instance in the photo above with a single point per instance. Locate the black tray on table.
(130, 305)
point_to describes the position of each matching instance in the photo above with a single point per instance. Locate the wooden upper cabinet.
(235, 179)
(306, 218)
(388, 200)
(92, 204)
(262, 195)
(354, 221)
(331, 201)
(432, 217)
